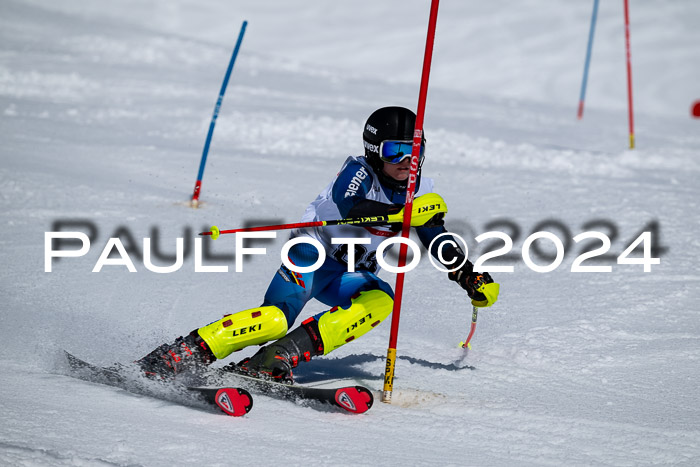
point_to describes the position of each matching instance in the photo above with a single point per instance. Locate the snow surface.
(104, 107)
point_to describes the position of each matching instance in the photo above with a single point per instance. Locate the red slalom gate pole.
(410, 192)
(629, 72)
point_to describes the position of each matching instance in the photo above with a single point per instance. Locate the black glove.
(436, 221)
(471, 281)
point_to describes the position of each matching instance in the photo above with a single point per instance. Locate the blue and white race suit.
(332, 284)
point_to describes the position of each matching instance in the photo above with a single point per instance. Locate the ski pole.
(205, 152)
(475, 312)
(466, 344)
(356, 221)
(430, 207)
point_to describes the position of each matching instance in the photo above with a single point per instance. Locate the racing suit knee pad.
(239, 330)
(339, 326)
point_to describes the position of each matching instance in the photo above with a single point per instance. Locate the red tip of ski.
(354, 399)
(234, 401)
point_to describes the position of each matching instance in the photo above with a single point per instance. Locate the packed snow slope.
(104, 108)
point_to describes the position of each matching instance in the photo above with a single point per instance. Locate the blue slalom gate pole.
(588, 60)
(205, 152)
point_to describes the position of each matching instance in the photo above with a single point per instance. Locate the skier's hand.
(428, 211)
(479, 286)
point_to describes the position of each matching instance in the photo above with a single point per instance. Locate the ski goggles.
(394, 152)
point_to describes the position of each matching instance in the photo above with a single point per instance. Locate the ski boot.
(215, 341)
(186, 354)
(275, 361)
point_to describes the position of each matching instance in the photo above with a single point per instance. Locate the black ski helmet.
(388, 123)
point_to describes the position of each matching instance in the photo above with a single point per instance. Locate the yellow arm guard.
(425, 208)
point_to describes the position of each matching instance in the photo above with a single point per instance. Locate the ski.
(351, 398)
(229, 390)
(232, 401)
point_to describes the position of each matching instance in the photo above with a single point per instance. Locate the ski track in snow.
(103, 113)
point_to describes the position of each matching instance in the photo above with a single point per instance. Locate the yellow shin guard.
(248, 327)
(340, 326)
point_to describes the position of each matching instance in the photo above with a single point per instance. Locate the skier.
(370, 185)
